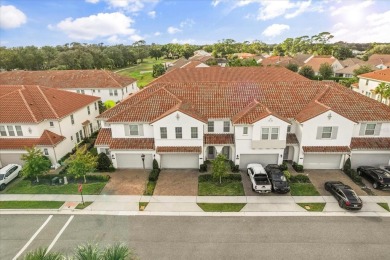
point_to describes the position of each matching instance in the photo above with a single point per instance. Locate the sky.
(57, 22)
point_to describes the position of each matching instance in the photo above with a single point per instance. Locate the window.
(91, 128)
(194, 132)
(179, 133)
(19, 131)
(134, 130)
(45, 151)
(89, 110)
(226, 127)
(210, 126)
(71, 137)
(2, 131)
(93, 91)
(95, 106)
(326, 132)
(72, 119)
(122, 92)
(81, 134)
(163, 133)
(245, 130)
(366, 82)
(115, 92)
(77, 137)
(126, 89)
(370, 129)
(51, 123)
(107, 151)
(82, 91)
(269, 132)
(111, 93)
(289, 129)
(11, 131)
(98, 90)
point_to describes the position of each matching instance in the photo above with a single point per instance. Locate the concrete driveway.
(377, 192)
(246, 182)
(177, 183)
(319, 177)
(126, 182)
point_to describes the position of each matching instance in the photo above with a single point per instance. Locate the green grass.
(25, 187)
(313, 206)
(231, 188)
(86, 204)
(221, 207)
(303, 189)
(384, 205)
(142, 205)
(150, 188)
(31, 204)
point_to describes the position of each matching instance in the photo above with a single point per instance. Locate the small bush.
(94, 151)
(233, 168)
(155, 164)
(103, 162)
(354, 176)
(228, 177)
(205, 178)
(233, 177)
(297, 167)
(203, 167)
(64, 170)
(287, 174)
(347, 165)
(63, 159)
(153, 175)
(283, 167)
(300, 178)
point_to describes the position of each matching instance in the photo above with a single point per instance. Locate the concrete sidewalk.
(187, 205)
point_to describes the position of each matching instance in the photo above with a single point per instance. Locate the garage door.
(7, 158)
(179, 161)
(369, 159)
(322, 161)
(134, 161)
(264, 159)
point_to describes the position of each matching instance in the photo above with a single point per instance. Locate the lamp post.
(143, 166)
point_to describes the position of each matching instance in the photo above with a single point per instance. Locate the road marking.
(59, 234)
(32, 238)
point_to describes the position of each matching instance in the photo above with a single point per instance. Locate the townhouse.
(316, 61)
(264, 115)
(100, 83)
(52, 120)
(368, 82)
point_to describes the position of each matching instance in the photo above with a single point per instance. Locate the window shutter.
(319, 132)
(334, 132)
(362, 129)
(127, 130)
(141, 130)
(377, 129)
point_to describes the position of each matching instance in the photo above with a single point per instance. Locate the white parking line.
(59, 234)
(32, 238)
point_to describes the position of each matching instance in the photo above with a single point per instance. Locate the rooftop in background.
(378, 59)
(316, 61)
(72, 79)
(380, 75)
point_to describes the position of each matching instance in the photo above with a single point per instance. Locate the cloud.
(152, 14)
(94, 26)
(92, 1)
(215, 2)
(301, 8)
(11, 17)
(136, 37)
(272, 9)
(131, 6)
(187, 23)
(275, 30)
(342, 10)
(188, 41)
(173, 30)
(157, 34)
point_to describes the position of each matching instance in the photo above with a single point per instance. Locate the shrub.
(283, 166)
(64, 170)
(203, 167)
(155, 164)
(94, 151)
(233, 167)
(233, 177)
(228, 177)
(297, 167)
(300, 178)
(287, 174)
(347, 165)
(205, 178)
(153, 175)
(103, 162)
(63, 159)
(354, 176)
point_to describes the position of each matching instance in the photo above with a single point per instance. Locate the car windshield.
(278, 177)
(351, 194)
(2, 176)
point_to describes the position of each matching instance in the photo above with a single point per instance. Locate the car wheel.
(326, 187)
(341, 204)
(2, 186)
(253, 188)
(375, 185)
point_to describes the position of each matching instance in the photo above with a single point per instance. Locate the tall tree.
(219, 167)
(362, 69)
(381, 90)
(158, 70)
(35, 163)
(81, 162)
(307, 71)
(326, 70)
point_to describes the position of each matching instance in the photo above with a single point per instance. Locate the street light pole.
(143, 165)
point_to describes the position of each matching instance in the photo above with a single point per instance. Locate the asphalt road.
(156, 237)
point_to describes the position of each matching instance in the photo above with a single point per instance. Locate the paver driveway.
(177, 183)
(247, 184)
(319, 177)
(126, 182)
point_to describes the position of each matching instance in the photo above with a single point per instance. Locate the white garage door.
(7, 158)
(133, 161)
(263, 159)
(322, 161)
(369, 160)
(179, 161)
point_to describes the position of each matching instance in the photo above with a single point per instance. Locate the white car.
(8, 173)
(259, 178)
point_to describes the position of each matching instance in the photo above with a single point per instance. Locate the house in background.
(184, 63)
(51, 119)
(316, 61)
(258, 114)
(350, 65)
(100, 83)
(380, 61)
(369, 81)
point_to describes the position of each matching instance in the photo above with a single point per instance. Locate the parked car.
(278, 180)
(345, 195)
(8, 173)
(385, 167)
(259, 178)
(379, 178)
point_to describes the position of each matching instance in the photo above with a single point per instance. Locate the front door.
(285, 153)
(210, 152)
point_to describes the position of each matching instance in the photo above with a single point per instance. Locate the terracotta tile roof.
(244, 55)
(104, 138)
(47, 139)
(379, 143)
(378, 59)
(179, 149)
(82, 79)
(351, 68)
(380, 75)
(275, 60)
(218, 139)
(193, 64)
(33, 104)
(186, 108)
(355, 85)
(351, 61)
(316, 62)
(291, 139)
(326, 149)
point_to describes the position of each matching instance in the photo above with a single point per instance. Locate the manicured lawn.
(313, 206)
(25, 187)
(142, 205)
(31, 204)
(86, 204)
(384, 205)
(150, 188)
(228, 188)
(303, 189)
(221, 207)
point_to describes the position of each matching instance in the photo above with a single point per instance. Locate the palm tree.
(380, 89)
(386, 93)
(42, 254)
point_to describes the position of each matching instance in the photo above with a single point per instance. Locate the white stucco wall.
(118, 130)
(218, 126)
(384, 131)
(366, 86)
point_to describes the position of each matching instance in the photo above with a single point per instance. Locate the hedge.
(229, 177)
(300, 178)
(153, 175)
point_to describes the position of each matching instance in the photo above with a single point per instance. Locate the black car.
(379, 178)
(277, 178)
(344, 194)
